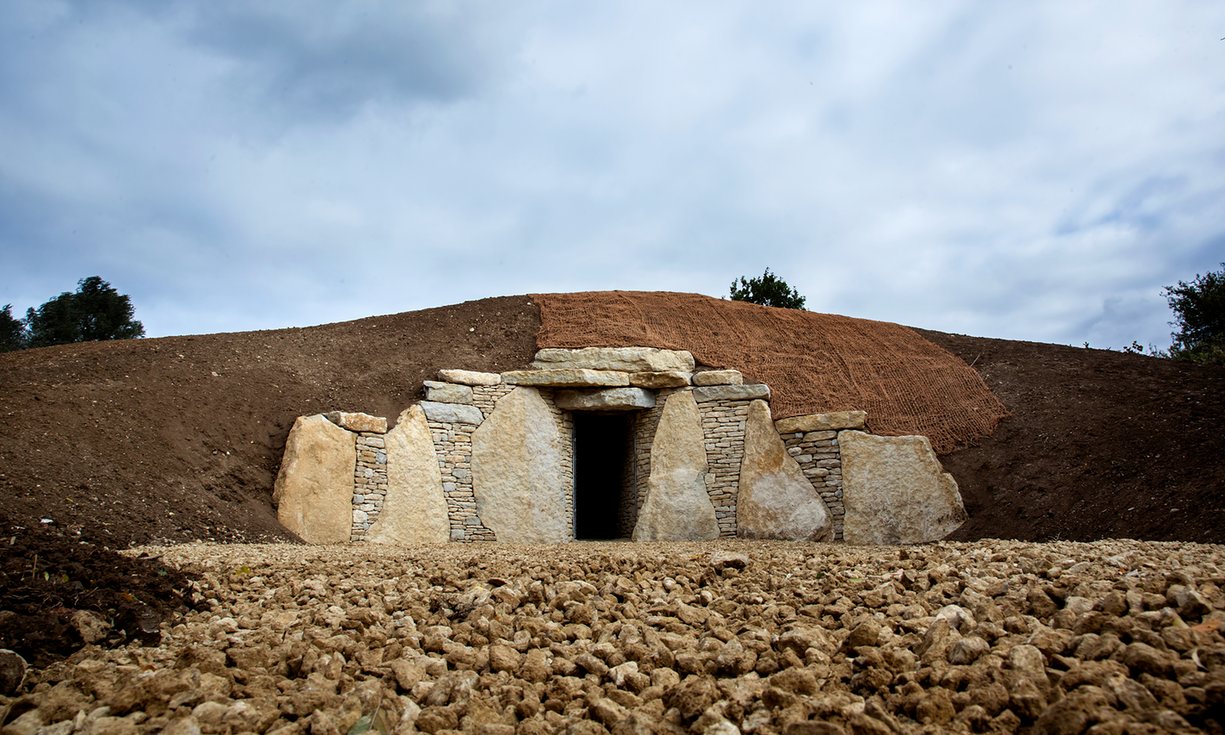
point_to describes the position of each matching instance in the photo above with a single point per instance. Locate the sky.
(1034, 170)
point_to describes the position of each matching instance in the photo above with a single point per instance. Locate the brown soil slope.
(1100, 444)
(180, 438)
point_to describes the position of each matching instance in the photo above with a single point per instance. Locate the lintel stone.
(609, 399)
(749, 392)
(660, 379)
(452, 413)
(469, 377)
(718, 377)
(833, 421)
(567, 378)
(625, 359)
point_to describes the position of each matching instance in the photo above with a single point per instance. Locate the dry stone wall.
(723, 429)
(369, 482)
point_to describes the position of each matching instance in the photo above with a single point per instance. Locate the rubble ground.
(735, 636)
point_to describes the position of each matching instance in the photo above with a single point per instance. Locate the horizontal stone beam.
(833, 421)
(718, 377)
(469, 377)
(609, 399)
(452, 413)
(624, 359)
(567, 378)
(732, 393)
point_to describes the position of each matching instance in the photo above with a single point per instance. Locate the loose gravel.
(753, 637)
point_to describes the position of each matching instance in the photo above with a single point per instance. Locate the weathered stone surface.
(452, 413)
(447, 392)
(567, 378)
(776, 500)
(358, 421)
(677, 507)
(660, 379)
(517, 471)
(718, 377)
(895, 490)
(625, 359)
(469, 377)
(832, 421)
(12, 671)
(608, 399)
(731, 392)
(415, 509)
(314, 488)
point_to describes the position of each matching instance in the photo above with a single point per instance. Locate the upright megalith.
(895, 490)
(677, 506)
(517, 475)
(415, 509)
(313, 493)
(776, 500)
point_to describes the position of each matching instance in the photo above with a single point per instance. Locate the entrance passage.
(604, 501)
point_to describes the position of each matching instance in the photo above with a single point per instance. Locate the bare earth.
(1104, 637)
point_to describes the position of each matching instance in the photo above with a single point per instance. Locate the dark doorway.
(604, 505)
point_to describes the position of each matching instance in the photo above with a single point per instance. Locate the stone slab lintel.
(567, 378)
(608, 399)
(833, 421)
(732, 393)
(469, 377)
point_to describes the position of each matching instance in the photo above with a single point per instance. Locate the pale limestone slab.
(895, 491)
(731, 392)
(567, 378)
(447, 392)
(469, 377)
(677, 506)
(718, 377)
(660, 379)
(358, 421)
(607, 399)
(832, 421)
(415, 509)
(776, 500)
(624, 359)
(517, 471)
(452, 413)
(313, 493)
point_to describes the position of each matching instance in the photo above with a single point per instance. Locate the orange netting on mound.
(813, 363)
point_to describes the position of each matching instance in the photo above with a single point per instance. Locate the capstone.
(624, 359)
(608, 399)
(567, 378)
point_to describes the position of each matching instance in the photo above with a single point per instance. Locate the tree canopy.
(1199, 313)
(767, 290)
(95, 311)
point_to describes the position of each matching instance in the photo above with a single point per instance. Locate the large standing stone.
(609, 399)
(895, 491)
(517, 471)
(625, 359)
(776, 500)
(415, 509)
(677, 507)
(313, 493)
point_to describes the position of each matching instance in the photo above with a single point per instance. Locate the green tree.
(1199, 311)
(96, 311)
(767, 290)
(12, 330)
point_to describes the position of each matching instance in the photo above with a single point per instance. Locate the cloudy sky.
(1023, 170)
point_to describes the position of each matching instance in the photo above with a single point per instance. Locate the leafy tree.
(767, 290)
(12, 331)
(1199, 310)
(96, 311)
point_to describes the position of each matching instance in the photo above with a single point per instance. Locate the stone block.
(447, 392)
(358, 421)
(414, 508)
(608, 399)
(776, 500)
(895, 491)
(452, 413)
(623, 359)
(677, 506)
(314, 488)
(833, 421)
(469, 377)
(750, 392)
(567, 378)
(718, 377)
(660, 379)
(517, 462)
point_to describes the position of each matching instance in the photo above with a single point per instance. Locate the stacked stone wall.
(565, 425)
(819, 456)
(485, 397)
(453, 447)
(369, 482)
(628, 517)
(723, 424)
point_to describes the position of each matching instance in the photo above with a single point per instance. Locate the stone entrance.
(605, 499)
